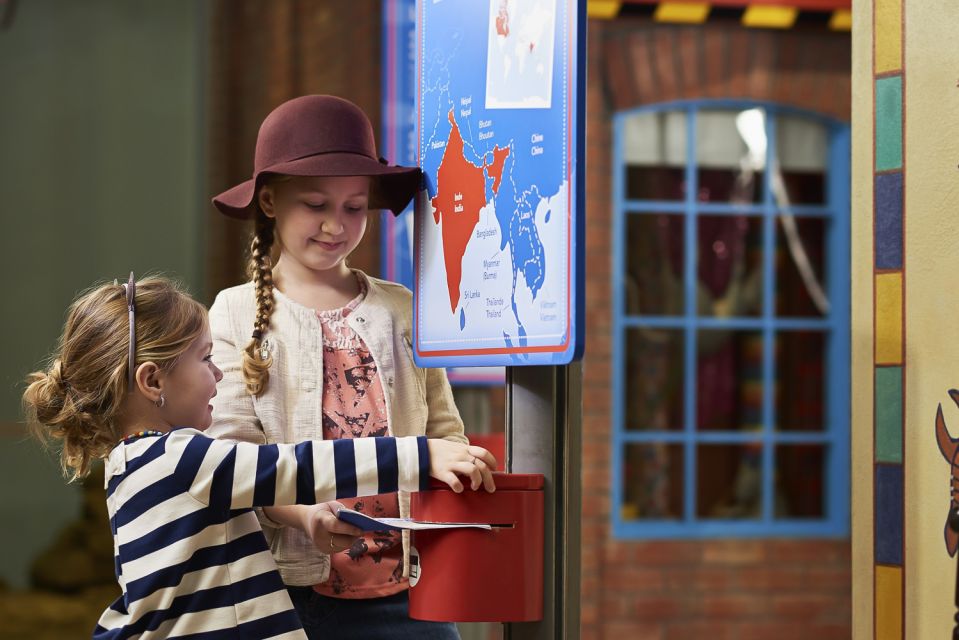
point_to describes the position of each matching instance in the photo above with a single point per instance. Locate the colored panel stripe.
(888, 36)
(889, 391)
(888, 505)
(889, 318)
(841, 20)
(769, 16)
(889, 414)
(888, 221)
(888, 603)
(690, 13)
(889, 123)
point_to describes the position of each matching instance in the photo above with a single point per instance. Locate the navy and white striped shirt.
(191, 559)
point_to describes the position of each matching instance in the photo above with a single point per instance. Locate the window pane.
(655, 183)
(802, 147)
(729, 481)
(731, 156)
(729, 380)
(654, 147)
(729, 266)
(800, 380)
(799, 481)
(800, 267)
(654, 264)
(654, 380)
(653, 482)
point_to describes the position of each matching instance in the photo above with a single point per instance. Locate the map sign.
(399, 140)
(498, 253)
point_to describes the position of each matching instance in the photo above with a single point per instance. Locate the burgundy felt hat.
(321, 136)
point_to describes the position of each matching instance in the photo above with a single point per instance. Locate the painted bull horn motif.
(949, 447)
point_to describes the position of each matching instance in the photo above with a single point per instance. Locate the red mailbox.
(477, 575)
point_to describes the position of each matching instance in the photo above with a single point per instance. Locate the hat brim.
(392, 187)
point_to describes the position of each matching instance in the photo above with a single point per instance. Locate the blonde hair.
(256, 359)
(78, 398)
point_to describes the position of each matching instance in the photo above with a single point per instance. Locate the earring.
(159, 403)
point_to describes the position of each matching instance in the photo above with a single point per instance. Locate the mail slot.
(476, 575)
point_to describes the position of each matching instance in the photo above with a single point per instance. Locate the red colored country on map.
(502, 20)
(460, 194)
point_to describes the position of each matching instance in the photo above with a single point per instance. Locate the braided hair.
(257, 359)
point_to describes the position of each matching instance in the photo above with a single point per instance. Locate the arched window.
(730, 322)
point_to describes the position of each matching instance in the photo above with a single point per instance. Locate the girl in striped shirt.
(131, 383)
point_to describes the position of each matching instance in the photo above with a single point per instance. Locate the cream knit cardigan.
(418, 401)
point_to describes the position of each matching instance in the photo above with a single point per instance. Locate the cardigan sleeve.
(234, 417)
(444, 419)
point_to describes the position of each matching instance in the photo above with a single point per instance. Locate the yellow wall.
(862, 323)
(914, 39)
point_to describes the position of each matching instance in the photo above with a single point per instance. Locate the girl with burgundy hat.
(311, 348)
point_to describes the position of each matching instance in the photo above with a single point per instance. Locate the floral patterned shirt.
(354, 406)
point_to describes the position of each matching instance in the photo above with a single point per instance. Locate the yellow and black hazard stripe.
(764, 14)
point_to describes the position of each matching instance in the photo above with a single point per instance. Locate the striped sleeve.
(240, 475)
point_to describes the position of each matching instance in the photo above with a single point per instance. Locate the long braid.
(256, 360)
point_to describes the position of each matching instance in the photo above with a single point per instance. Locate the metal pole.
(543, 435)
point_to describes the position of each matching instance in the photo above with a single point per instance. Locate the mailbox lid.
(504, 482)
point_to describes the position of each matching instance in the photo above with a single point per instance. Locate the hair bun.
(59, 376)
(46, 396)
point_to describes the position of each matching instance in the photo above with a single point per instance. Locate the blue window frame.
(730, 289)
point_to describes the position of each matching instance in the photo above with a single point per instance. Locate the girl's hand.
(449, 460)
(328, 533)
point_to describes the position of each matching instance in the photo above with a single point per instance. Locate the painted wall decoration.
(949, 447)
(904, 257)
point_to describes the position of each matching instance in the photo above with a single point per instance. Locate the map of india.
(493, 243)
(461, 193)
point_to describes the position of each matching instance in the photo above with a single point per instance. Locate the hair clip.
(265, 348)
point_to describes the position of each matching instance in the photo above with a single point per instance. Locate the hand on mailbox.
(450, 460)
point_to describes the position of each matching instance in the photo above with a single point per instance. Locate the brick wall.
(635, 62)
(718, 589)
(743, 589)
